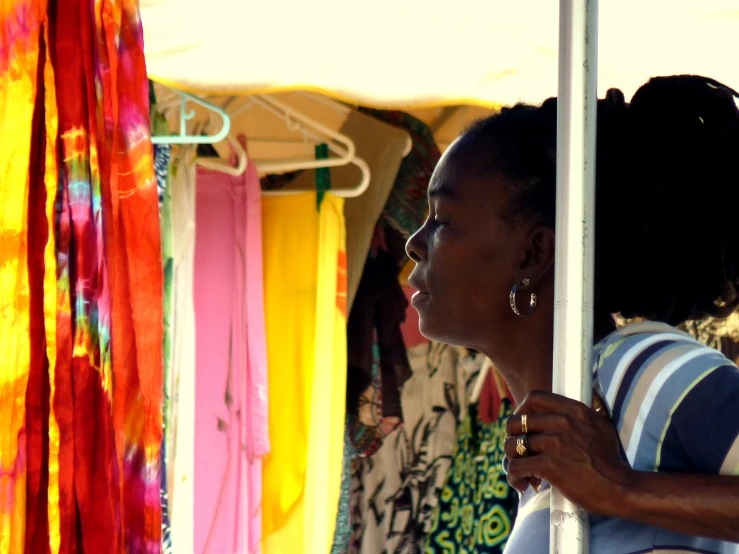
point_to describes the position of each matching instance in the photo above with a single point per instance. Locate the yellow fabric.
(18, 85)
(305, 313)
(51, 178)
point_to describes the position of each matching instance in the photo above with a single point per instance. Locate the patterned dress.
(477, 507)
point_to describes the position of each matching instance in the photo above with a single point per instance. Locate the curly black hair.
(667, 193)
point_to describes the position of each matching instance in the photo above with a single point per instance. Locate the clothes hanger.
(345, 109)
(223, 166)
(215, 164)
(199, 138)
(295, 120)
(340, 144)
(185, 116)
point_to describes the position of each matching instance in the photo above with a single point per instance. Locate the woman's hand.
(571, 446)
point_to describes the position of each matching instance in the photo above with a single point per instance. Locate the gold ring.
(524, 426)
(522, 445)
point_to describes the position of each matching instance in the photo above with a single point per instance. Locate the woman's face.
(468, 257)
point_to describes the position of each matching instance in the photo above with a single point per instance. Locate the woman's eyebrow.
(442, 191)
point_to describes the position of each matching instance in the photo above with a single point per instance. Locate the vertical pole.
(574, 258)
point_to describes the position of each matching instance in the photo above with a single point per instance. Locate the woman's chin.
(438, 331)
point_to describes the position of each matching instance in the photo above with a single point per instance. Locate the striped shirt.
(675, 403)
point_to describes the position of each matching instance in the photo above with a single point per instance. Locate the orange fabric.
(20, 27)
(80, 283)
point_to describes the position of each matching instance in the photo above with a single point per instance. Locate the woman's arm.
(577, 450)
(700, 505)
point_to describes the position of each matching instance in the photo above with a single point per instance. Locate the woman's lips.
(418, 297)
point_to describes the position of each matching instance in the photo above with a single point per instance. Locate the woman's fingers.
(525, 472)
(538, 402)
(537, 423)
(535, 444)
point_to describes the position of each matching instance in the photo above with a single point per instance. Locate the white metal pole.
(574, 258)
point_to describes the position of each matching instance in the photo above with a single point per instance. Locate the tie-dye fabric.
(22, 74)
(80, 380)
(42, 524)
(109, 209)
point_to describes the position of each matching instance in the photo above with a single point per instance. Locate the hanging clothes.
(381, 146)
(181, 382)
(343, 532)
(305, 307)
(162, 157)
(257, 386)
(406, 206)
(477, 506)
(81, 317)
(107, 393)
(231, 404)
(380, 303)
(395, 491)
(24, 297)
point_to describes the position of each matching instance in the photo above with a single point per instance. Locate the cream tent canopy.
(419, 53)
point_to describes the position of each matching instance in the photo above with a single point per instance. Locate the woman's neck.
(524, 355)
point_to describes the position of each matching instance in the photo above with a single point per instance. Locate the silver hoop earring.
(532, 301)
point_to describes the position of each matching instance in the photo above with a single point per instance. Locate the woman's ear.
(537, 258)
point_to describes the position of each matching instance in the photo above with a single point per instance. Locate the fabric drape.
(395, 491)
(81, 378)
(231, 403)
(305, 310)
(20, 83)
(182, 379)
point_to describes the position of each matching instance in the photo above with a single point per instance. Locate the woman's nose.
(416, 246)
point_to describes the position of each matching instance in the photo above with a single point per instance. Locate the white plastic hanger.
(222, 165)
(340, 144)
(344, 109)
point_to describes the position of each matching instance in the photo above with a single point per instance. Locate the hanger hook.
(291, 125)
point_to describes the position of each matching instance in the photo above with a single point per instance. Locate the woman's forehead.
(460, 176)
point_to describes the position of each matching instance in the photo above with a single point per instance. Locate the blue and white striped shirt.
(675, 403)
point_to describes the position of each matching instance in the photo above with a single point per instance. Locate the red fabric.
(489, 399)
(63, 383)
(494, 390)
(95, 510)
(37, 395)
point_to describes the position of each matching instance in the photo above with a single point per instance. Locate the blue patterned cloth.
(343, 533)
(162, 156)
(669, 396)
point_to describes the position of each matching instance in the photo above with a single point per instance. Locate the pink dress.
(231, 368)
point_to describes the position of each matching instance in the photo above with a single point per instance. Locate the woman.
(666, 251)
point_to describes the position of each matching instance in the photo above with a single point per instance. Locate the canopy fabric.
(415, 53)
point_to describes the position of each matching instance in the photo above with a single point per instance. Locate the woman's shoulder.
(632, 350)
(667, 392)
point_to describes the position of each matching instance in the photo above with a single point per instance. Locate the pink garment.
(231, 368)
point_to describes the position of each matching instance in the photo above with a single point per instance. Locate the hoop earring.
(532, 301)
